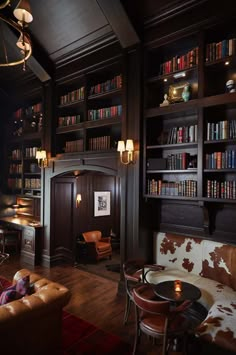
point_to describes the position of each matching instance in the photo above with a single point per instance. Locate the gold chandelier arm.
(26, 35)
(7, 2)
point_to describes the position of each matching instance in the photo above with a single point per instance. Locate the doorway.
(71, 219)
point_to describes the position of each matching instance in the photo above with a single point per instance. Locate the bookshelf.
(90, 121)
(24, 139)
(190, 146)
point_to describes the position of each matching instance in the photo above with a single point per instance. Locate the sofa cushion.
(16, 291)
(219, 326)
(179, 252)
(9, 295)
(213, 291)
(219, 262)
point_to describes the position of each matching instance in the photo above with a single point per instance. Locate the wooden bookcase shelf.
(24, 139)
(100, 113)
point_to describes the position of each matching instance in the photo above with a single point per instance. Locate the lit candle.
(178, 286)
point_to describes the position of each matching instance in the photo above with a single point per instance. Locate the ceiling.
(63, 29)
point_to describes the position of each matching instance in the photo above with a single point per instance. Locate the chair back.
(144, 300)
(92, 236)
(133, 269)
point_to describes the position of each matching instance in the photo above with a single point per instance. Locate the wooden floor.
(94, 298)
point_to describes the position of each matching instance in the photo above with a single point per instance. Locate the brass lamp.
(127, 148)
(23, 14)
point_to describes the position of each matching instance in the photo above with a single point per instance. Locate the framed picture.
(176, 91)
(102, 203)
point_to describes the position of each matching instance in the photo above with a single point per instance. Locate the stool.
(9, 238)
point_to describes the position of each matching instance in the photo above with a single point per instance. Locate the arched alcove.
(61, 183)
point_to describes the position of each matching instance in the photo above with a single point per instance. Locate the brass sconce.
(41, 156)
(128, 149)
(15, 208)
(78, 200)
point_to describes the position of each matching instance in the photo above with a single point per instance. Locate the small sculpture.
(186, 93)
(165, 101)
(230, 86)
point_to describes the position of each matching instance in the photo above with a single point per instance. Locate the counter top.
(21, 221)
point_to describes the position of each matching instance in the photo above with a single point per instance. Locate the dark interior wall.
(68, 222)
(84, 215)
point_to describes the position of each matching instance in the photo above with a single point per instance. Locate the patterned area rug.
(81, 337)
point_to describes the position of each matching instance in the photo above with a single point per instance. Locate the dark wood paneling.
(63, 201)
(181, 217)
(85, 220)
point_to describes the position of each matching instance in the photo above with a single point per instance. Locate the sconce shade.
(129, 145)
(26, 46)
(43, 154)
(38, 155)
(23, 12)
(78, 199)
(121, 146)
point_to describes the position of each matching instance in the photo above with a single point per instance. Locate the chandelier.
(23, 14)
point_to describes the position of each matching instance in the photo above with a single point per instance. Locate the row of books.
(185, 134)
(74, 146)
(105, 112)
(30, 110)
(16, 154)
(30, 152)
(219, 50)
(187, 188)
(106, 86)
(69, 120)
(32, 183)
(72, 96)
(14, 183)
(15, 169)
(180, 161)
(221, 130)
(99, 143)
(221, 160)
(221, 189)
(182, 62)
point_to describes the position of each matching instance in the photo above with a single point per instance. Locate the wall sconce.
(127, 148)
(78, 200)
(15, 208)
(41, 156)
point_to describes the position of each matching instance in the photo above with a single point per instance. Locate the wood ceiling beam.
(119, 22)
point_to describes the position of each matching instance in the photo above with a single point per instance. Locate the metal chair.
(133, 274)
(157, 319)
(134, 271)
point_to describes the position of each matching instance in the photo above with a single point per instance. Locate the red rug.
(81, 337)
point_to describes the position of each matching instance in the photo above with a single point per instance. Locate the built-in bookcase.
(89, 111)
(189, 141)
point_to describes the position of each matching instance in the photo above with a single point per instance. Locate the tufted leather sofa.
(33, 324)
(210, 266)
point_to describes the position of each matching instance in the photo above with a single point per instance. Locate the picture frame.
(175, 92)
(102, 203)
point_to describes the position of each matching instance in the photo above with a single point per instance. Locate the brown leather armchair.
(97, 247)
